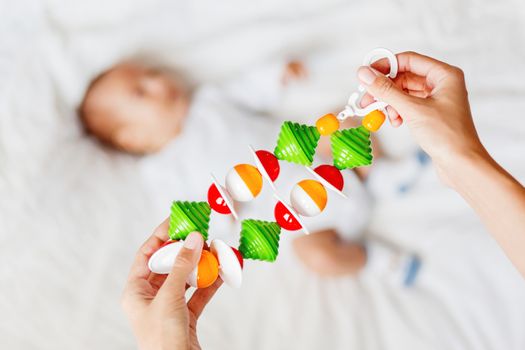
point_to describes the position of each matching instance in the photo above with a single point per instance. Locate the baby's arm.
(261, 88)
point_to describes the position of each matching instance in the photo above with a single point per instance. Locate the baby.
(138, 109)
(141, 110)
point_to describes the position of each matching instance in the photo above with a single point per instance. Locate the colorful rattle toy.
(297, 143)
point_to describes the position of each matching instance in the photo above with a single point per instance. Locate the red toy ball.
(270, 163)
(331, 174)
(216, 201)
(285, 218)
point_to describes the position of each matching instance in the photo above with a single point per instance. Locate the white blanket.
(73, 214)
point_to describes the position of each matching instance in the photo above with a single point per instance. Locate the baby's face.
(134, 108)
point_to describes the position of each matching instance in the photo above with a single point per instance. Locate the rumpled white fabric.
(73, 214)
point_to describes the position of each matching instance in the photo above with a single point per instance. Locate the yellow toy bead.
(373, 120)
(327, 124)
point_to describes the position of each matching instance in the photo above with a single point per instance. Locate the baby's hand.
(294, 70)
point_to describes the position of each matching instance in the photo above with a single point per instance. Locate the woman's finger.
(422, 65)
(139, 269)
(405, 81)
(366, 100)
(411, 81)
(383, 88)
(157, 280)
(414, 84)
(382, 65)
(396, 123)
(429, 68)
(137, 293)
(201, 297)
(393, 115)
(418, 93)
(175, 284)
(409, 61)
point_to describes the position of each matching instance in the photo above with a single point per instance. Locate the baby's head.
(135, 108)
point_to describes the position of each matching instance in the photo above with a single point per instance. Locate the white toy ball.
(244, 182)
(163, 259)
(308, 197)
(230, 263)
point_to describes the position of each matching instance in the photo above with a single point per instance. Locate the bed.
(72, 214)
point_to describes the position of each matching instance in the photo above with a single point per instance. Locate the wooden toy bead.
(373, 120)
(327, 124)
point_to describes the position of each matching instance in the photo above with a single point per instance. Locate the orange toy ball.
(327, 124)
(308, 197)
(373, 120)
(244, 182)
(206, 272)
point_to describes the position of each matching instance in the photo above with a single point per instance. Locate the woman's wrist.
(458, 168)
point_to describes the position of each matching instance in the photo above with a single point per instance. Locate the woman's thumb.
(382, 88)
(185, 263)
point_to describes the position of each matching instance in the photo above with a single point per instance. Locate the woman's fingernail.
(192, 240)
(366, 75)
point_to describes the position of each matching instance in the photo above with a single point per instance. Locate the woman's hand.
(431, 97)
(156, 304)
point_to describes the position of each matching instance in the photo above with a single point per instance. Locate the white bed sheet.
(72, 214)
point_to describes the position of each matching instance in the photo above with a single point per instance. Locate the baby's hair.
(94, 123)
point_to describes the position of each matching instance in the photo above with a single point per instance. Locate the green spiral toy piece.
(259, 240)
(351, 148)
(187, 217)
(297, 143)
